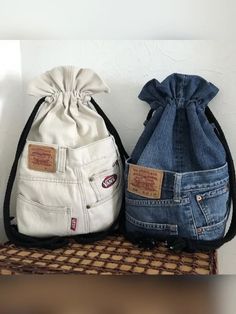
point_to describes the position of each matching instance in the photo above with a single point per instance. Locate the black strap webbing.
(231, 233)
(52, 242)
(111, 129)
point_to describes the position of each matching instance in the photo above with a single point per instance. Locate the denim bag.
(69, 165)
(180, 177)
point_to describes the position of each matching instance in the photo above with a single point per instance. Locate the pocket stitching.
(50, 209)
(214, 226)
(214, 193)
(203, 208)
(208, 195)
(155, 226)
(95, 188)
(44, 207)
(162, 202)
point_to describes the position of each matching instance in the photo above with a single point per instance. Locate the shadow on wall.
(11, 124)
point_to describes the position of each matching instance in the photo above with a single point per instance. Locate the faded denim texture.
(179, 140)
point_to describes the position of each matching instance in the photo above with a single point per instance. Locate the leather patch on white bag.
(145, 181)
(42, 158)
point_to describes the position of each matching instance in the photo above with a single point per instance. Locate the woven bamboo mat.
(115, 255)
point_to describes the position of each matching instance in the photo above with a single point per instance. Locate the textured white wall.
(11, 115)
(126, 66)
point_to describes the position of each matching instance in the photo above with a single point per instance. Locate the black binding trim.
(20, 239)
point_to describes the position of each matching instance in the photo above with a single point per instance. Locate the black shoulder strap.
(87, 238)
(232, 183)
(11, 231)
(112, 130)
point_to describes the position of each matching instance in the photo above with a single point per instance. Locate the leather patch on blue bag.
(41, 158)
(145, 181)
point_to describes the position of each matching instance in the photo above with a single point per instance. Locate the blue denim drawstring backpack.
(180, 178)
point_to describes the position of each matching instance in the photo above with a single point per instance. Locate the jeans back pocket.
(151, 218)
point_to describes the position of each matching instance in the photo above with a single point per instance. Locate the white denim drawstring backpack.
(69, 165)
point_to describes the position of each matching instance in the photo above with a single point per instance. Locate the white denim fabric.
(66, 117)
(84, 193)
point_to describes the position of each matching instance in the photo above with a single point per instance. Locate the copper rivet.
(199, 230)
(199, 198)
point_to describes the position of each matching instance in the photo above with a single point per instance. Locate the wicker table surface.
(115, 255)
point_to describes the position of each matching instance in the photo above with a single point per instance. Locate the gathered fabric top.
(67, 80)
(67, 117)
(179, 89)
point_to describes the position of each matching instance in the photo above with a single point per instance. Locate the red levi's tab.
(73, 224)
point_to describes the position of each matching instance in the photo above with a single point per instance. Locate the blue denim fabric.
(179, 137)
(193, 205)
(179, 140)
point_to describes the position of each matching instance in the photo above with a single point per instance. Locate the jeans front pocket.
(102, 214)
(106, 180)
(212, 232)
(103, 189)
(39, 220)
(212, 212)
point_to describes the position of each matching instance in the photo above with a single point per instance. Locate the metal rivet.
(199, 197)
(199, 230)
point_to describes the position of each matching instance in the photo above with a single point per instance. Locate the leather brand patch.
(109, 181)
(73, 224)
(144, 181)
(41, 158)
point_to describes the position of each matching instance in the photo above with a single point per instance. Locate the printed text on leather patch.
(144, 181)
(41, 158)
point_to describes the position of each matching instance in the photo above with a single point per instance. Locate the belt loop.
(177, 187)
(61, 164)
